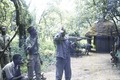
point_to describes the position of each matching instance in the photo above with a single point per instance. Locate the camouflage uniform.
(63, 61)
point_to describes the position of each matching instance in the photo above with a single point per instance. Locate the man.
(4, 39)
(87, 48)
(34, 57)
(11, 71)
(63, 55)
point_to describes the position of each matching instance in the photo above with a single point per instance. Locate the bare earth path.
(96, 66)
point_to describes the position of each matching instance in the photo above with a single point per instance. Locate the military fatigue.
(6, 57)
(62, 57)
(34, 59)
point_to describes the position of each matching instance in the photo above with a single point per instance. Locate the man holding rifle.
(4, 39)
(63, 62)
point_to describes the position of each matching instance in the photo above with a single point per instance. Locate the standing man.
(4, 39)
(34, 57)
(63, 46)
(62, 55)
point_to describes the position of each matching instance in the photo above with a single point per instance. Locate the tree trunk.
(22, 32)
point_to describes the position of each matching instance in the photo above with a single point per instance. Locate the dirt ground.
(96, 66)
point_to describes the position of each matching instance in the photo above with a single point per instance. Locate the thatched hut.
(103, 32)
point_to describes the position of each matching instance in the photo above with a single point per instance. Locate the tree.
(6, 9)
(23, 19)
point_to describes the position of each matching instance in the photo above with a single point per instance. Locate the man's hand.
(18, 77)
(1, 51)
(28, 48)
(41, 62)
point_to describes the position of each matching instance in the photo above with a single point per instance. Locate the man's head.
(3, 30)
(63, 32)
(17, 59)
(31, 30)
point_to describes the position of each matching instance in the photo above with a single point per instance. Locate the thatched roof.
(102, 28)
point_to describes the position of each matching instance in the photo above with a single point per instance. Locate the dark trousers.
(34, 65)
(63, 65)
(4, 60)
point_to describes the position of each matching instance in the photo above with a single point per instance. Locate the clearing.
(96, 66)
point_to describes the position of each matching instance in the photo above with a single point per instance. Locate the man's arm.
(34, 43)
(58, 37)
(8, 73)
(30, 45)
(74, 38)
(15, 78)
(17, 73)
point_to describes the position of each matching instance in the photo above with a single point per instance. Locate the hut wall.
(103, 44)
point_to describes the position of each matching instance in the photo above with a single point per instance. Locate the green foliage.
(48, 61)
(79, 19)
(15, 48)
(47, 47)
(47, 54)
(6, 9)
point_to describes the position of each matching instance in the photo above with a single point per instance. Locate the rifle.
(77, 38)
(2, 52)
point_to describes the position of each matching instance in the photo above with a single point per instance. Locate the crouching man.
(11, 71)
